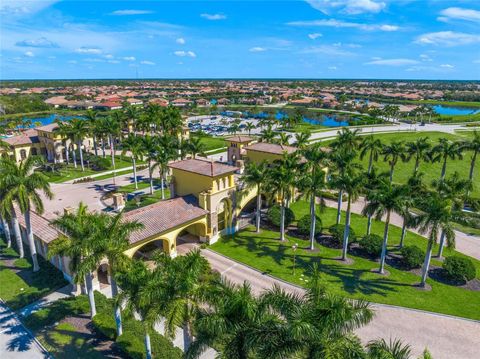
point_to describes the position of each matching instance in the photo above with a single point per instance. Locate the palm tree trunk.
(187, 336)
(426, 263)
(74, 155)
(66, 154)
(112, 151)
(442, 245)
(162, 183)
(6, 231)
(339, 206)
(370, 162)
(384, 244)
(472, 165)
(18, 235)
(417, 164)
(103, 148)
(31, 241)
(91, 296)
(369, 224)
(313, 220)
(150, 175)
(392, 168)
(118, 312)
(282, 221)
(81, 154)
(95, 145)
(148, 346)
(404, 233)
(346, 233)
(134, 164)
(259, 210)
(444, 168)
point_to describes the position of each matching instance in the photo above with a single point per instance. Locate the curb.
(373, 303)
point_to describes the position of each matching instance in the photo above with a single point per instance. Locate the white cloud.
(347, 6)
(129, 58)
(425, 57)
(476, 61)
(393, 62)
(29, 54)
(113, 61)
(332, 67)
(314, 35)
(447, 66)
(180, 41)
(329, 50)
(131, 12)
(40, 42)
(345, 24)
(214, 16)
(182, 53)
(88, 50)
(145, 62)
(108, 56)
(459, 14)
(257, 49)
(447, 38)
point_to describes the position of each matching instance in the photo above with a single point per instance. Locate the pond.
(323, 120)
(451, 110)
(49, 119)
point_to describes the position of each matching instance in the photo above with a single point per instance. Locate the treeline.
(22, 104)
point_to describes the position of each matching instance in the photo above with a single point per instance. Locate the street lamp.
(294, 248)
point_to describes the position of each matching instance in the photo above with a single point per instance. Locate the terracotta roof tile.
(42, 228)
(203, 167)
(271, 148)
(239, 138)
(27, 137)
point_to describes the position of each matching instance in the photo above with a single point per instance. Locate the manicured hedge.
(412, 257)
(273, 216)
(304, 223)
(337, 231)
(104, 323)
(459, 268)
(372, 245)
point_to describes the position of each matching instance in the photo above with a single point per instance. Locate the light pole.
(294, 248)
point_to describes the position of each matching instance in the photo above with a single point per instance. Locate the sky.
(370, 39)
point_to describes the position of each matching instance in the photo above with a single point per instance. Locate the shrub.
(132, 343)
(304, 223)
(372, 245)
(104, 323)
(412, 256)
(273, 216)
(337, 231)
(459, 268)
(99, 163)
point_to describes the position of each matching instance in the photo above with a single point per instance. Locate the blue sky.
(423, 39)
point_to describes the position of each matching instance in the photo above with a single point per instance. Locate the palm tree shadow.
(21, 340)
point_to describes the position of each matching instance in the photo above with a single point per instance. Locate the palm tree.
(256, 176)
(435, 218)
(419, 150)
(445, 150)
(132, 114)
(149, 145)
(392, 153)
(249, 126)
(163, 155)
(22, 186)
(111, 242)
(301, 139)
(385, 200)
(373, 180)
(77, 242)
(133, 145)
(282, 180)
(351, 183)
(112, 124)
(284, 139)
(473, 145)
(6, 207)
(65, 131)
(80, 130)
(373, 147)
(381, 349)
(267, 134)
(6, 229)
(136, 284)
(197, 147)
(91, 118)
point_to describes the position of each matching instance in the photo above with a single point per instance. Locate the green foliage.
(98, 163)
(273, 216)
(23, 103)
(459, 268)
(304, 223)
(371, 244)
(337, 231)
(412, 256)
(104, 323)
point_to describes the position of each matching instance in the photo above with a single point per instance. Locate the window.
(34, 151)
(23, 154)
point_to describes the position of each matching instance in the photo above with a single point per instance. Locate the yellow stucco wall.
(192, 183)
(258, 157)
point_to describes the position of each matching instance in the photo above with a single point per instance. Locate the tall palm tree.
(386, 200)
(164, 154)
(392, 153)
(373, 147)
(6, 207)
(91, 118)
(249, 126)
(418, 149)
(301, 139)
(256, 176)
(111, 242)
(6, 229)
(136, 284)
(112, 124)
(282, 180)
(473, 145)
(79, 128)
(381, 349)
(445, 150)
(373, 180)
(196, 147)
(284, 139)
(65, 131)
(133, 144)
(23, 185)
(435, 218)
(77, 243)
(267, 135)
(149, 144)
(132, 115)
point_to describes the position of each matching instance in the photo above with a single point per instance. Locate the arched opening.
(190, 237)
(148, 250)
(102, 275)
(224, 214)
(23, 154)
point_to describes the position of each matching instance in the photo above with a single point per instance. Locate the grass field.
(210, 142)
(265, 252)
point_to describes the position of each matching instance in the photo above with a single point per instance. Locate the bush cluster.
(273, 216)
(372, 245)
(412, 256)
(304, 223)
(337, 231)
(98, 163)
(459, 268)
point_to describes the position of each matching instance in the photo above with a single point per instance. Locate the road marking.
(229, 268)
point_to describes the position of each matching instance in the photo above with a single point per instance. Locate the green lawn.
(19, 285)
(210, 142)
(144, 199)
(265, 252)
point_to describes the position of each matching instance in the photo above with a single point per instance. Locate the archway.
(148, 250)
(190, 237)
(103, 275)
(224, 214)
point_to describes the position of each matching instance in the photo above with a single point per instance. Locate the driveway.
(446, 337)
(15, 341)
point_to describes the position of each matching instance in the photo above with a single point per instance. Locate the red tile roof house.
(181, 102)
(109, 106)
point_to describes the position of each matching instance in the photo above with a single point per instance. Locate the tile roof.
(271, 148)
(164, 215)
(42, 228)
(239, 138)
(48, 128)
(25, 138)
(203, 167)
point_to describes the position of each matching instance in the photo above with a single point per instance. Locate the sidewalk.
(47, 300)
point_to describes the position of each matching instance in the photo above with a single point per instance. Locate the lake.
(323, 120)
(451, 110)
(50, 119)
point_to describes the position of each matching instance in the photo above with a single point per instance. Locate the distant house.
(159, 101)
(181, 102)
(202, 102)
(56, 101)
(223, 101)
(306, 101)
(134, 101)
(109, 105)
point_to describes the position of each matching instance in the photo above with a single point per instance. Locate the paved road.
(446, 337)
(15, 341)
